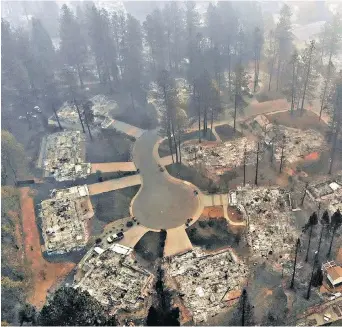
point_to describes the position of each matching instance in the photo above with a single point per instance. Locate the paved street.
(162, 202)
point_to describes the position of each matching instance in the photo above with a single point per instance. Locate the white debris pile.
(223, 155)
(64, 219)
(64, 154)
(204, 280)
(327, 192)
(102, 106)
(115, 280)
(270, 221)
(298, 143)
(68, 113)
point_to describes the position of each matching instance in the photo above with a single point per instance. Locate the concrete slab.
(133, 235)
(114, 184)
(215, 200)
(177, 242)
(107, 167)
(126, 128)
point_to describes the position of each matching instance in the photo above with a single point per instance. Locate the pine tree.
(72, 47)
(284, 40)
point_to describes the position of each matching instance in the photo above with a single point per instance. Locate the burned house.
(270, 222)
(114, 278)
(205, 280)
(65, 218)
(64, 155)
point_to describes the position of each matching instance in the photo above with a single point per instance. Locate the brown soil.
(234, 214)
(213, 212)
(45, 275)
(309, 120)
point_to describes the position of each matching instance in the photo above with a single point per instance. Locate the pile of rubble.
(64, 156)
(204, 280)
(220, 157)
(102, 108)
(328, 192)
(298, 143)
(270, 222)
(64, 219)
(115, 280)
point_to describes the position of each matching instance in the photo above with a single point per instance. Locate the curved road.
(161, 202)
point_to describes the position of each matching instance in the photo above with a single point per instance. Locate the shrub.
(129, 224)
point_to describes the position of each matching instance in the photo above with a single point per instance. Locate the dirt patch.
(309, 120)
(213, 212)
(234, 214)
(149, 246)
(226, 132)
(213, 234)
(45, 275)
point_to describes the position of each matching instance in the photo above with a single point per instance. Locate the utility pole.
(257, 165)
(312, 273)
(79, 114)
(295, 262)
(57, 118)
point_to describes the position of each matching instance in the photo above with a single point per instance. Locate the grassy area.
(226, 132)
(113, 205)
(164, 149)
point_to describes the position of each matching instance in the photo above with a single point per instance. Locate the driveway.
(162, 202)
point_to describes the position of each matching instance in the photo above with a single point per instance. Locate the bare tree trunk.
(278, 73)
(307, 78)
(86, 121)
(257, 165)
(235, 108)
(293, 86)
(229, 70)
(308, 249)
(80, 75)
(325, 89)
(57, 118)
(295, 262)
(174, 140)
(271, 74)
(79, 115)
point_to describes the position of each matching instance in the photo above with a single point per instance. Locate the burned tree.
(313, 221)
(295, 262)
